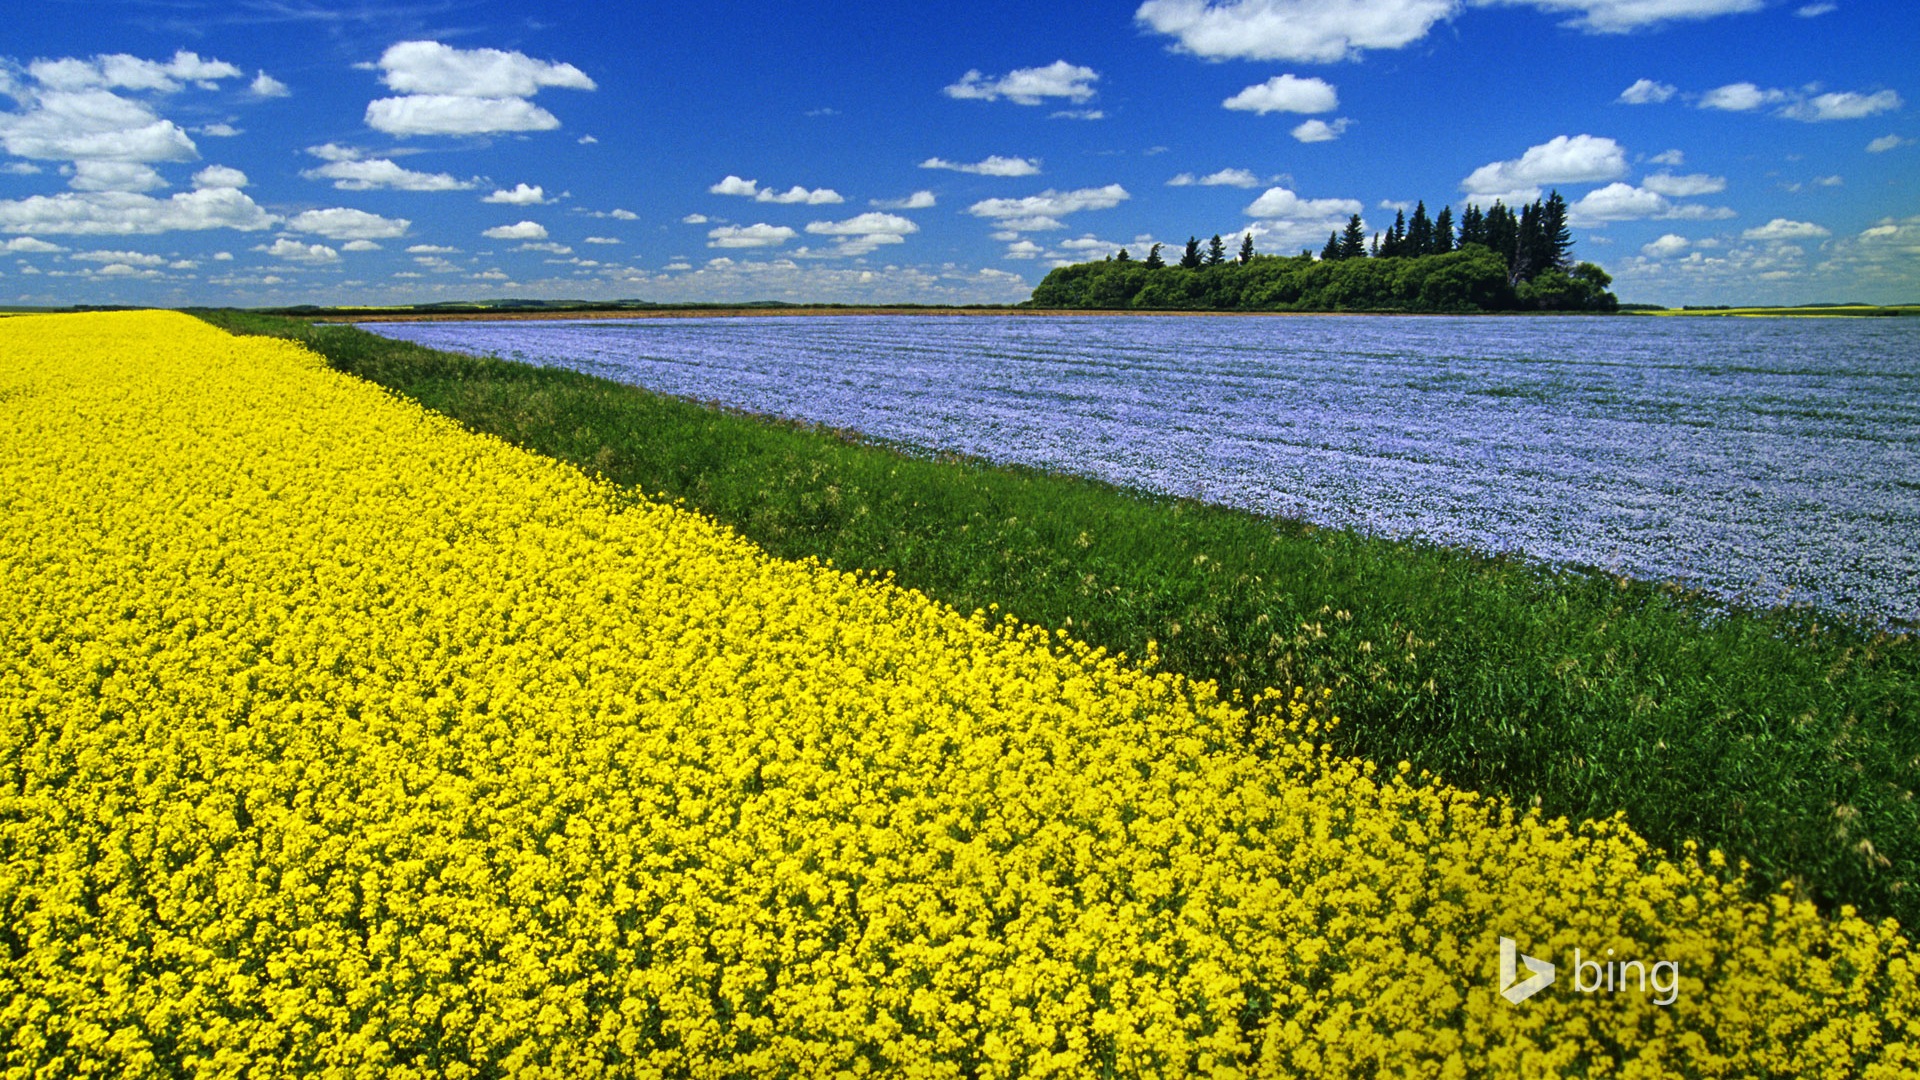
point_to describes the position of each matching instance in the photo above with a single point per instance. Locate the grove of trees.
(1493, 260)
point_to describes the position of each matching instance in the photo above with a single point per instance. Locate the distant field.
(1835, 311)
(1778, 736)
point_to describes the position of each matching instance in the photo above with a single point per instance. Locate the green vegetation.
(1495, 261)
(1782, 737)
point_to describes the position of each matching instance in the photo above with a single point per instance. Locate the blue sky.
(279, 151)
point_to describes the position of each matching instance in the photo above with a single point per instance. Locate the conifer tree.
(1191, 260)
(1443, 231)
(1473, 226)
(1154, 261)
(1500, 231)
(1332, 251)
(1216, 251)
(1123, 256)
(1395, 241)
(1529, 244)
(1353, 242)
(1556, 240)
(1419, 231)
(1246, 247)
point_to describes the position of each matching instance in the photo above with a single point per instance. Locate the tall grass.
(1786, 738)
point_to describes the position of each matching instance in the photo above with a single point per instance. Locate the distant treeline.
(1494, 260)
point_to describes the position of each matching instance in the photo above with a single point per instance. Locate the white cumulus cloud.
(266, 86)
(1240, 178)
(1563, 159)
(1846, 105)
(1035, 213)
(1885, 143)
(1029, 86)
(524, 230)
(449, 91)
(1740, 97)
(992, 165)
(1684, 186)
(798, 194)
(114, 176)
(1314, 131)
(128, 213)
(1286, 93)
(733, 185)
(749, 236)
(865, 232)
(1647, 92)
(519, 195)
(295, 251)
(219, 176)
(350, 171)
(1781, 229)
(919, 200)
(1320, 31)
(343, 223)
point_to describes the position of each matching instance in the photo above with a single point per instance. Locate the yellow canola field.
(337, 741)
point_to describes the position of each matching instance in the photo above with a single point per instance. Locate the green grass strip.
(1785, 738)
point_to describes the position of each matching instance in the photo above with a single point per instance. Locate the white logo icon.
(1518, 991)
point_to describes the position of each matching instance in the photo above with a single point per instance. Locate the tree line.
(1492, 260)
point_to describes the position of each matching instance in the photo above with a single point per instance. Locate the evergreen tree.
(1443, 231)
(1191, 260)
(1374, 250)
(1216, 251)
(1555, 238)
(1395, 242)
(1529, 244)
(1419, 232)
(1500, 231)
(1331, 252)
(1353, 242)
(1246, 247)
(1123, 256)
(1154, 261)
(1473, 227)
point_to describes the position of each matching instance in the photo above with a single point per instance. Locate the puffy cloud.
(350, 171)
(359, 245)
(432, 249)
(266, 86)
(1739, 97)
(1673, 158)
(295, 251)
(1683, 186)
(798, 194)
(694, 219)
(343, 223)
(1781, 229)
(1560, 160)
(733, 185)
(1286, 93)
(1224, 178)
(1320, 31)
(993, 165)
(219, 176)
(1621, 16)
(1885, 143)
(546, 246)
(93, 125)
(120, 71)
(114, 176)
(1313, 131)
(1843, 106)
(27, 245)
(429, 67)
(127, 213)
(1666, 247)
(602, 240)
(1041, 212)
(525, 230)
(919, 200)
(447, 114)
(1624, 202)
(1023, 249)
(1029, 86)
(451, 91)
(1282, 203)
(1646, 92)
(519, 195)
(865, 232)
(131, 258)
(749, 236)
